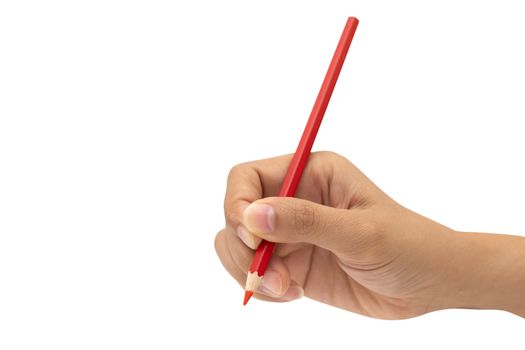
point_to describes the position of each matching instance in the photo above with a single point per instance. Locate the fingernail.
(272, 283)
(294, 292)
(259, 218)
(245, 236)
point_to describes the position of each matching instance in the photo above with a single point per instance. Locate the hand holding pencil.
(344, 242)
(300, 158)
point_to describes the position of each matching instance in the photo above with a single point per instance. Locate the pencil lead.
(247, 295)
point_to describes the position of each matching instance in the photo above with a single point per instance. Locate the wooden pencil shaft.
(300, 158)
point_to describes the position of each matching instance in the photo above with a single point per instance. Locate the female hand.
(344, 242)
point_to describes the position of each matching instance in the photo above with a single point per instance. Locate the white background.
(119, 121)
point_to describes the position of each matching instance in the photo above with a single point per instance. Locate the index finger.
(248, 182)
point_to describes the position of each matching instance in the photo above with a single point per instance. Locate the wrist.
(485, 271)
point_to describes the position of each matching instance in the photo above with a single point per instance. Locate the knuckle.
(365, 224)
(329, 155)
(322, 157)
(305, 217)
(370, 238)
(235, 170)
(232, 218)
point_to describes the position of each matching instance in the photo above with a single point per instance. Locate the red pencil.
(296, 167)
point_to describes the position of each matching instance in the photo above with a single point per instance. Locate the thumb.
(294, 220)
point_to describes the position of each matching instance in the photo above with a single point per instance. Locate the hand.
(345, 243)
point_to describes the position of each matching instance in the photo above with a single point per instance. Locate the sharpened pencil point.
(247, 295)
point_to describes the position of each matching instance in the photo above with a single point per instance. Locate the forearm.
(486, 271)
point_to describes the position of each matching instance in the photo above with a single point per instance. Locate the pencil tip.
(247, 295)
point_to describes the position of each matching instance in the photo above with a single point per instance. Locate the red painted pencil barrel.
(300, 158)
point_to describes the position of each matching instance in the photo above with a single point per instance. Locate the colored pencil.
(300, 158)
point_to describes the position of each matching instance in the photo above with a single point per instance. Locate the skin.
(344, 242)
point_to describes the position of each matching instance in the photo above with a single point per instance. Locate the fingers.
(328, 178)
(251, 181)
(248, 182)
(293, 220)
(236, 258)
